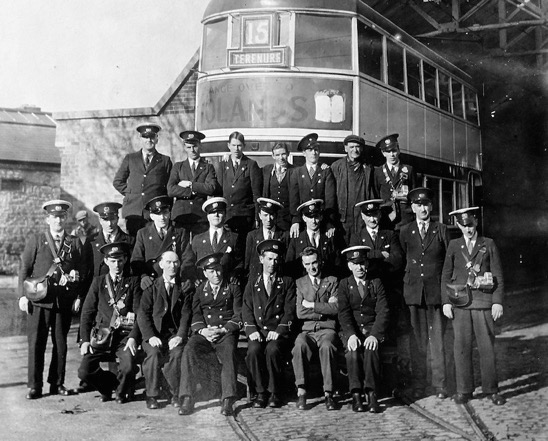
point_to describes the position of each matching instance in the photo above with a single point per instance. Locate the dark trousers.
(162, 361)
(428, 325)
(200, 353)
(466, 324)
(105, 382)
(265, 364)
(364, 369)
(39, 323)
(309, 343)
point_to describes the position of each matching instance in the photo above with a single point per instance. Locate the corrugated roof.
(27, 136)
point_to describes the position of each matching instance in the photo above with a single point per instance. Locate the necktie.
(361, 290)
(161, 233)
(57, 240)
(147, 160)
(268, 285)
(215, 240)
(269, 234)
(280, 173)
(311, 172)
(116, 282)
(470, 247)
(215, 290)
(423, 230)
(169, 288)
(373, 236)
(316, 284)
(111, 238)
(193, 168)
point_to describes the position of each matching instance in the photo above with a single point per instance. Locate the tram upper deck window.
(456, 89)
(214, 45)
(394, 54)
(280, 31)
(414, 83)
(323, 42)
(470, 105)
(445, 92)
(370, 51)
(430, 95)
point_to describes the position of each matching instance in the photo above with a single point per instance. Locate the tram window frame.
(395, 59)
(429, 75)
(471, 97)
(441, 207)
(416, 76)
(457, 97)
(213, 52)
(444, 91)
(367, 52)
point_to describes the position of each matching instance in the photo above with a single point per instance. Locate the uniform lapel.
(479, 243)
(241, 169)
(200, 168)
(432, 231)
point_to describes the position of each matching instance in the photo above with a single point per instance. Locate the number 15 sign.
(257, 31)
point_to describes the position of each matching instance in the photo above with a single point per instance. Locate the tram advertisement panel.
(274, 102)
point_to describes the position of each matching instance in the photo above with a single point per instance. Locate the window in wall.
(456, 89)
(470, 105)
(7, 184)
(214, 49)
(429, 72)
(414, 82)
(394, 55)
(323, 42)
(445, 92)
(370, 51)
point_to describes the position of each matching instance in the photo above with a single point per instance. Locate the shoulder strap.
(112, 302)
(56, 258)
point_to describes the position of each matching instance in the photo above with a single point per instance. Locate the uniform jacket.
(362, 317)
(242, 187)
(139, 185)
(386, 182)
(324, 313)
(97, 241)
(252, 264)
(424, 262)
(97, 310)
(262, 313)
(37, 259)
(278, 191)
(154, 307)
(223, 311)
(232, 260)
(204, 184)
(302, 189)
(455, 272)
(149, 247)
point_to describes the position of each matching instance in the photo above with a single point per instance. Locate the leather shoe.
(152, 403)
(274, 401)
(373, 404)
(34, 394)
(301, 402)
(357, 404)
(441, 394)
(175, 402)
(226, 407)
(330, 403)
(462, 398)
(106, 397)
(83, 388)
(121, 398)
(497, 399)
(186, 406)
(260, 401)
(60, 390)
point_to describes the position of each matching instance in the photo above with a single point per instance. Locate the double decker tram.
(277, 70)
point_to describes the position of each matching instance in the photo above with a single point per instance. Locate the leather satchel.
(35, 288)
(460, 296)
(101, 338)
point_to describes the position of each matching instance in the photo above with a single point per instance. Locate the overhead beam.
(434, 23)
(503, 35)
(521, 53)
(474, 10)
(518, 38)
(488, 27)
(523, 8)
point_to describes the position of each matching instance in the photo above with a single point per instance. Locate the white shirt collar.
(359, 281)
(265, 232)
(318, 278)
(370, 230)
(193, 162)
(212, 230)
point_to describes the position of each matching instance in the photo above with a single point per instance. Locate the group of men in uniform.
(304, 260)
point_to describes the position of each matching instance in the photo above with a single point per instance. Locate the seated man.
(216, 322)
(111, 303)
(268, 310)
(317, 308)
(363, 315)
(163, 318)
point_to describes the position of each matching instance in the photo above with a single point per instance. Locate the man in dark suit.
(156, 238)
(141, 176)
(190, 183)
(424, 243)
(276, 183)
(311, 181)
(269, 210)
(363, 315)
(58, 256)
(393, 181)
(241, 181)
(164, 319)
(216, 323)
(474, 260)
(317, 308)
(268, 311)
(112, 302)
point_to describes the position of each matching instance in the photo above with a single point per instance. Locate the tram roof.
(354, 7)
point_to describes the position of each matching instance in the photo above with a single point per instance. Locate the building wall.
(24, 187)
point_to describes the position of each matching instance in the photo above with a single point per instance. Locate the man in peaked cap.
(141, 176)
(268, 213)
(393, 181)
(268, 311)
(474, 260)
(312, 180)
(84, 229)
(424, 243)
(157, 237)
(57, 256)
(363, 316)
(216, 323)
(191, 182)
(313, 235)
(354, 178)
(112, 302)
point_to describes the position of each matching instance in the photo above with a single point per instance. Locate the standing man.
(190, 183)
(112, 303)
(363, 315)
(317, 308)
(276, 183)
(473, 261)
(141, 176)
(84, 229)
(164, 319)
(56, 256)
(216, 323)
(393, 181)
(311, 181)
(354, 180)
(268, 311)
(241, 182)
(424, 243)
